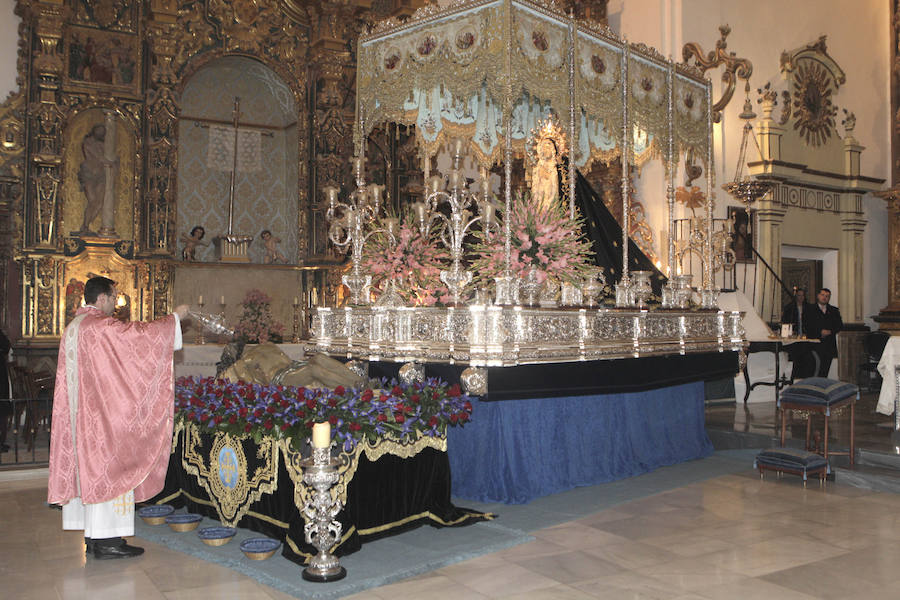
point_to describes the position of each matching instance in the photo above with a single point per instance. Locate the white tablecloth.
(889, 360)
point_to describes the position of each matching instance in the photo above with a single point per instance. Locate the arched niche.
(72, 192)
(265, 197)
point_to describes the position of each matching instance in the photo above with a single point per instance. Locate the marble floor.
(872, 431)
(729, 537)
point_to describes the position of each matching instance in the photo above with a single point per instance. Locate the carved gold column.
(332, 146)
(45, 127)
(161, 118)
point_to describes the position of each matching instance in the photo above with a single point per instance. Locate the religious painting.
(743, 239)
(104, 59)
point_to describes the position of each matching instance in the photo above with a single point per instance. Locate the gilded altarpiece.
(125, 65)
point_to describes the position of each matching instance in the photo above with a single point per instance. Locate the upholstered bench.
(790, 460)
(827, 397)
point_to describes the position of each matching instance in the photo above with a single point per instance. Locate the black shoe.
(123, 551)
(88, 546)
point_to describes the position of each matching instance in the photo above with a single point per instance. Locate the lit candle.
(487, 212)
(222, 300)
(377, 191)
(391, 225)
(296, 300)
(419, 210)
(331, 193)
(200, 300)
(435, 182)
(454, 178)
(321, 435)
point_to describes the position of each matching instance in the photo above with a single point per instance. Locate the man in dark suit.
(796, 312)
(824, 323)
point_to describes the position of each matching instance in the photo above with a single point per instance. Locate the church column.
(332, 124)
(160, 114)
(770, 217)
(889, 317)
(45, 125)
(44, 134)
(851, 253)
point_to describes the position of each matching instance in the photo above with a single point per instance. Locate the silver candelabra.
(349, 227)
(454, 228)
(322, 529)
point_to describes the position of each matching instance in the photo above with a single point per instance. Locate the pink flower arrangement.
(257, 324)
(413, 260)
(542, 236)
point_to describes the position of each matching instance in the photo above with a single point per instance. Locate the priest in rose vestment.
(112, 419)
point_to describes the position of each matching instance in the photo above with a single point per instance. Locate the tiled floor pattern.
(730, 537)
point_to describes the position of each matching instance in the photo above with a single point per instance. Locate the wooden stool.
(789, 460)
(823, 396)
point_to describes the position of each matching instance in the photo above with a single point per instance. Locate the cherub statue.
(191, 242)
(272, 253)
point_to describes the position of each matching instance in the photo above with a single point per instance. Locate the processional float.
(481, 80)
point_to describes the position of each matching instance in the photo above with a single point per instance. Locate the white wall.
(858, 40)
(9, 43)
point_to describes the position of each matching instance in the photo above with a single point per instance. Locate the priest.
(112, 415)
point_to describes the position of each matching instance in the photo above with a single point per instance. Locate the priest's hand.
(182, 311)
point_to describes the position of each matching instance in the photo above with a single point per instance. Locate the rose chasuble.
(112, 409)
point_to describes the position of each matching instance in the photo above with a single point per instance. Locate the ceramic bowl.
(216, 536)
(259, 548)
(185, 522)
(155, 515)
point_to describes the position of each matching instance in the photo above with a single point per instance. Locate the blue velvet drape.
(516, 450)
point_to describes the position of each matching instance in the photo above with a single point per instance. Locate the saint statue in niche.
(545, 177)
(97, 176)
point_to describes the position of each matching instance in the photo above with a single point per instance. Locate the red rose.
(355, 426)
(247, 427)
(232, 419)
(383, 398)
(242, 411)
(454, 391)
(381, 418)
(271, 409)
(268, 424)
(399, 418)
(191, 415)
(284, 403)
(339, 390)
(332, 402)
(276, 397)
(284, 426)
(311, 403)
(333, 420)
(396, 391)
(433, 421)
(415, 398)
(258, 413)
(463, 416)
(301, 414)
(454, 418)
(301, 391)
(468, 406)
(217, 419)
(367, 395)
